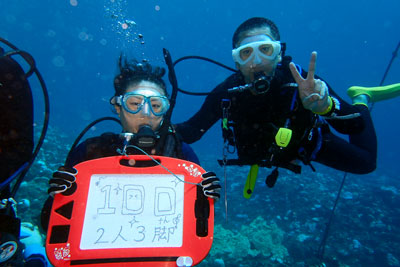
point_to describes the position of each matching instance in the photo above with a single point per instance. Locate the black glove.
(63, 181)
(211, 185)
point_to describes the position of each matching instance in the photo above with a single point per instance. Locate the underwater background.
(76, 44)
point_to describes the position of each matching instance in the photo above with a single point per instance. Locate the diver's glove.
(319, 101)
(63, 181)
(211, 185)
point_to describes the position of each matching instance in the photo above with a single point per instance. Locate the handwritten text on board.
(133, 211)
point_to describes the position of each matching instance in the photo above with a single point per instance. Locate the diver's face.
(132, 122)
(258, 64)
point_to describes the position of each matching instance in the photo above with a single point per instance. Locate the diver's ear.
(280, 57)
(237, 65)
(113, 102)
(118, 109)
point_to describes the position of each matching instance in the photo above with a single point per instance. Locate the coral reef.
(258, 240)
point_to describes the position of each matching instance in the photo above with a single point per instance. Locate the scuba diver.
(275, 114)
(16, 127)
(142, 104)
(20, 243)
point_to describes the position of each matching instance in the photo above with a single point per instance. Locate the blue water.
(76, 45)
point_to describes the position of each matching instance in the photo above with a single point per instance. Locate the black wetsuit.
(257, 118)
(106, 145)
(16, 120)
(16, 145)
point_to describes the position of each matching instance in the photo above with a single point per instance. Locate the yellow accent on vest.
(251, 181)
(282, 138)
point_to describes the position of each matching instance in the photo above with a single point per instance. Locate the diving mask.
(267, 49)
(144, 99)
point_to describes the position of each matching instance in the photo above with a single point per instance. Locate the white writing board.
(133, 211)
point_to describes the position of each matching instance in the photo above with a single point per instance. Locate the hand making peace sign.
(313, 92)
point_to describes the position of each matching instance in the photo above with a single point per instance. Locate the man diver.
(20, 244)
(276, 114)
(16, 127)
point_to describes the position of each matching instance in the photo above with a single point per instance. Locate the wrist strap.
(334, 110)
(329, 109)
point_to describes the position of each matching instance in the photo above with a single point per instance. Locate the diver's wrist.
(328, 109)
(334, 108)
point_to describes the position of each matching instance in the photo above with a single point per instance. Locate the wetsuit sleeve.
(188, 154)
(210, 112)
(357, 155)
(350, 119)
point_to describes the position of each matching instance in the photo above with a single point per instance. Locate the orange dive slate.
(132, 216)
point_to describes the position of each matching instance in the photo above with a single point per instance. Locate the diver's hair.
(133, 72)
(254, 23)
